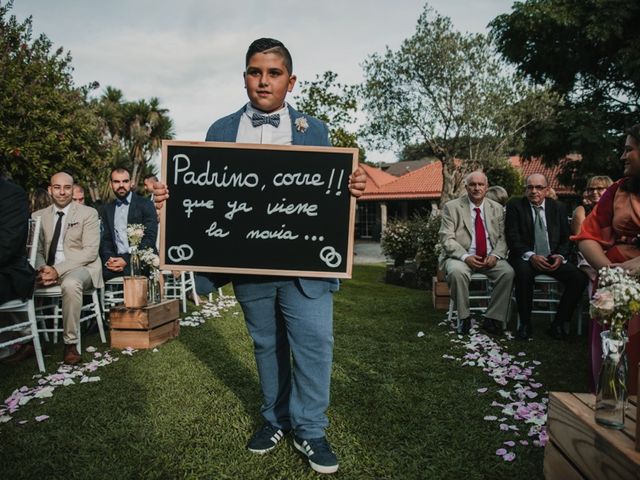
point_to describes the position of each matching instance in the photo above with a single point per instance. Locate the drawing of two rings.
(180, 253)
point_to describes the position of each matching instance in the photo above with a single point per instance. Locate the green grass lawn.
(399, 410)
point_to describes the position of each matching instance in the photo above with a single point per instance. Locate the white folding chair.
(546, 297)
(28, 329)
(112, 293)
(479, 293)
(220, 294)
(178, 287)
(51, 309)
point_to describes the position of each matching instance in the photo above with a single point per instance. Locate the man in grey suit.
(472, 238)
(68, 255)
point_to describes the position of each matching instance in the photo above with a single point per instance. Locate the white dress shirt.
(59, 258)
(266, 133)
(120, 219)
(472, 249)
(527, 255)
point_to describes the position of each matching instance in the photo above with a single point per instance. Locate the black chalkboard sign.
(257, 209)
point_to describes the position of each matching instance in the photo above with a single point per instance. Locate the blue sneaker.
(318, 451)
(265, 439)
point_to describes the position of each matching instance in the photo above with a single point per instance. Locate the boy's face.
(267, 81)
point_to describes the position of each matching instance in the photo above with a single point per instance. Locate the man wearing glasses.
(537, 233)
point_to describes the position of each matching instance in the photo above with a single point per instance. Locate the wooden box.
(580, 448)
(145, 327)
(439, 294)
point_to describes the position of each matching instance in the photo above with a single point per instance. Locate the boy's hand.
(160, 195)
(357, 182)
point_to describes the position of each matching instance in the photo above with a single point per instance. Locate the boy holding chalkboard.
(286, 316)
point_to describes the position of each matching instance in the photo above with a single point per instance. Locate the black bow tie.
(257, 119)
(121, 202)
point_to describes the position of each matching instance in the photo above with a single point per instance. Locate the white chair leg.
(96, 309)
(450, 312)
(57, 315)
(183, 292)
(192, 281)
(31, 313)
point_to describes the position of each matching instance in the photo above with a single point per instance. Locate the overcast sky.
(190, 53)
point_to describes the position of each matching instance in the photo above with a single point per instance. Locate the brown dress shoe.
(71, 355)
(25, 350)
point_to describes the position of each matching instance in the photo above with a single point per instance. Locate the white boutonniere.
(301, 124)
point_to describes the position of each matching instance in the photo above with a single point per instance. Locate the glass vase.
(153, 295)
(611, 393)
(134, 262)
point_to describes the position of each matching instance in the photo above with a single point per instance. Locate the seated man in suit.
(68, 255)
(127, 208)
(472, 238)
(16, 275)
(537, 231)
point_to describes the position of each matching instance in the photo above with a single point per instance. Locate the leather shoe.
(524, 332)
(464, 326)
(24, 351)
(71, 355)
(556, 331)
(490, 326)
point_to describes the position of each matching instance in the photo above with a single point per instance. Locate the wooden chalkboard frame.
(345, 272)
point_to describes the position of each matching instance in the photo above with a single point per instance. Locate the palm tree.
(133, 131)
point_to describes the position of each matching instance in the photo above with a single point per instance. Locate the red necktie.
(481, 236)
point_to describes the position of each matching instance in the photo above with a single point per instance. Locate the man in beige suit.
(68, 255)
(472, 238)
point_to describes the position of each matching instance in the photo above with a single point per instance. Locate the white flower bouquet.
(149, 257)
(135, 233)
(616, 300)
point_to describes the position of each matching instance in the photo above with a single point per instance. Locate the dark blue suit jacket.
(316, 134)
(17, 276)
(141, 211)
(519, 232)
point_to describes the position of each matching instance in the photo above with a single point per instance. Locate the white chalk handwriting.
(310, 209)
(189, 205)
(215, 231)
(219, 179)
(236, 207)
(282, 234)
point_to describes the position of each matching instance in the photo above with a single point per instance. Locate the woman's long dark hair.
(632, 184)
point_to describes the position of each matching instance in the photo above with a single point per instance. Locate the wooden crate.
(145, 327)
(580, 448)
(439, 294)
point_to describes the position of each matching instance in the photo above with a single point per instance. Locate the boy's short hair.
(270, 45)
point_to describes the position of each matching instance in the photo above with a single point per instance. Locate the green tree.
(133, 132)
(451, 92)
(46, 123)
(587, 51)
(334, 103)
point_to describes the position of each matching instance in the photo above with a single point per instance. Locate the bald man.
(537, 231)
(472, 238)
(68, 255)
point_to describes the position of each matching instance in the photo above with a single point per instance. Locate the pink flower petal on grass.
(501, 451)
(509, 457)
(42, 418)
(490, 418)
(483, 390)
(510, 443)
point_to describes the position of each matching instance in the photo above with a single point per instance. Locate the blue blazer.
(247, 287)
(141, 211)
